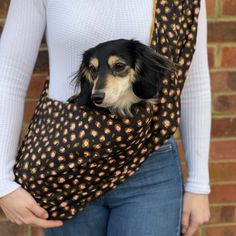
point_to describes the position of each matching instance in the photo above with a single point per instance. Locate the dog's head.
(122, 72)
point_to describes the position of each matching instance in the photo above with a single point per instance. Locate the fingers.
(196, 212)
(38, 210)
(36, 215)
(193, 227)
(185, 221)
(33, 216)
(21, 208)
(43, 223)
(194, 224)
(28, 217)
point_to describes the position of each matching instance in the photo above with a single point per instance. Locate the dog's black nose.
(98, 97)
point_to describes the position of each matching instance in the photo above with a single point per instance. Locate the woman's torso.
(73, 26)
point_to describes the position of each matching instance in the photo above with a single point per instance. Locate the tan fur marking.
(94, 61)
(114, 59)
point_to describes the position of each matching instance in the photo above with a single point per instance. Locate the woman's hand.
(195, 212)
(21, 208)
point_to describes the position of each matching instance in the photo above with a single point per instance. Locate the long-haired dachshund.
(116, 74)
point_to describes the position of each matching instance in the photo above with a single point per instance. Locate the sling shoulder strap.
(173, 34)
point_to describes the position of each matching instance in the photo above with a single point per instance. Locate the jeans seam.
(180, 213)
(173, 144)
(178, 163)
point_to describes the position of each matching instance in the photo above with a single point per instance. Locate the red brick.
(223, 81)
(211, 7)
(223, 214)
(36, 86)
(223, 193)
(29, 110)
(231, 82)
(184, 171)
(220, 231)
(7, 228)
(223, 127)
(228, 7)
(221, 172)
(228, 57)
(211, 56)
(4, 4)
(215, 30)
(180, 149)
(1, 28)
(42, 64)
(224, 104)
(223, 150)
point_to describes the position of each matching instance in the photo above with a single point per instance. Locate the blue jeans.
(148, 203)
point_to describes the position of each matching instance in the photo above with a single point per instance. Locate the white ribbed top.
(73, 26)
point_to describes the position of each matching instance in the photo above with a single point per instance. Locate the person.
(154, 201)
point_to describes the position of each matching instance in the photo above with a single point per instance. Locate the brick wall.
(222, 61)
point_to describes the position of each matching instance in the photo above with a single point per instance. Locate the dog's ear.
(150, 70)
(81, 79)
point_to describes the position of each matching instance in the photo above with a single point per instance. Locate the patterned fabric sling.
(71, 154)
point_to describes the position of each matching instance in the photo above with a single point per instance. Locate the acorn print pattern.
(71, 154)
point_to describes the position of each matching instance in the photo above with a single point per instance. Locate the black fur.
(151, 69)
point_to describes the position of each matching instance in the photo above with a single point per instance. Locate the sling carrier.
(71, 154)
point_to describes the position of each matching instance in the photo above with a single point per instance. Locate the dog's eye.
(119, 66)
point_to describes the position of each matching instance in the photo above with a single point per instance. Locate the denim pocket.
(166, 153)
(162, 157)
(164, 148)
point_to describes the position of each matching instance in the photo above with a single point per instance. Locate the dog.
(116, 74)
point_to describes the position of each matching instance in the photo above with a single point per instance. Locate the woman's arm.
(195, 124)
(195, 129)
(19, 46)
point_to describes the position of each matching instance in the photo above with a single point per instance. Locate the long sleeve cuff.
(197, 187)
(7, 186)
